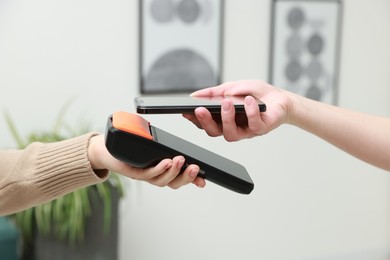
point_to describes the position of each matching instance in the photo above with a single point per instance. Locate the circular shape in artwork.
(293, 70)
(294, 45)
(314, 70)
(162, 11)
(188, 10)
(314, 92)
(315, 44)
(180, 70)
(295, 18)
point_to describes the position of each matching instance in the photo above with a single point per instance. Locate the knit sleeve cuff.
(64, 166)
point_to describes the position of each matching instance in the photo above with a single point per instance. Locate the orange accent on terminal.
(131, 123)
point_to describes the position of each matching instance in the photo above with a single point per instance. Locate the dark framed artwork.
(180, 45)
(305, 47)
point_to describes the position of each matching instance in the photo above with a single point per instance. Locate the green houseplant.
(67, 219)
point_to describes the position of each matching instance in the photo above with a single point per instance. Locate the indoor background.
(311, 201)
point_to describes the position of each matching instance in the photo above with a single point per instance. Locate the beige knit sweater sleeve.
(43, 172)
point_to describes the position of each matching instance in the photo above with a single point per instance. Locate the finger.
(145, 174)
(207, 122)
(253, 115)
(202, 92)
(228, 115)
(200, 182)
(166, 177)
(209, 92)
(192, 118)
(220, 90)
(186, 177)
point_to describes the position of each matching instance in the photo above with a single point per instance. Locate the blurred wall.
(311, 201)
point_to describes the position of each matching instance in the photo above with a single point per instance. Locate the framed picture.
(305, 47)
(180, 45)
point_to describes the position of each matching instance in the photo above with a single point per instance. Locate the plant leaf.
(15, 134)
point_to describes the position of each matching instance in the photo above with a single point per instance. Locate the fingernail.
(198, 115)
(226, 106)
(193, 173)
(198, 185)
(248, 101)
(180, 163)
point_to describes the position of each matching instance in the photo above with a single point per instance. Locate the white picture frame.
(181, 45)
(305, 47)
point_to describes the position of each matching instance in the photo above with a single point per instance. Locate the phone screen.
(187, 104)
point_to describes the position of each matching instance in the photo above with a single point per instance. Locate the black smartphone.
(187, 104)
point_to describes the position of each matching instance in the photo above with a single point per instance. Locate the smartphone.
(187, 104)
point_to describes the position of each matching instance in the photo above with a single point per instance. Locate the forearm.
(43, 172)
(364, 136)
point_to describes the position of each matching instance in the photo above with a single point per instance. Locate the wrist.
(94, 152)
(301, 110)
(291, 107)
